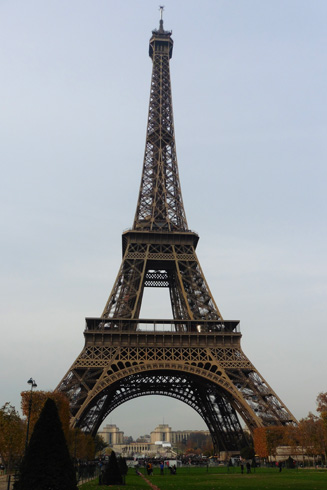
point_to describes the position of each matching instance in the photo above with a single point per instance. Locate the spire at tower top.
(161, 8)
(161, 33)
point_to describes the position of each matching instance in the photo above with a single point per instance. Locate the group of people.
(149, 468)
(248, 467)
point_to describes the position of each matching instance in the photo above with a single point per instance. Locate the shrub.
(112, 474)
(47, 463)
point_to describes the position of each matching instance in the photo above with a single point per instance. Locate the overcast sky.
(249, 85)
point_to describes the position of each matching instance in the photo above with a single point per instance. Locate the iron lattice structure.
(196, 356)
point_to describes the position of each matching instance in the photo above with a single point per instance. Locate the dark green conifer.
(47, 464)
(122, 465)
(123, 468)
(247, 452)
(112, 474)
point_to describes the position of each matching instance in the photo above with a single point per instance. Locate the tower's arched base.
(207, 371)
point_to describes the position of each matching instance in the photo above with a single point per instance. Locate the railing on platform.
(163, 325)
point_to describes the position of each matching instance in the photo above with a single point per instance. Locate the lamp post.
(75, 438)
(31, 382)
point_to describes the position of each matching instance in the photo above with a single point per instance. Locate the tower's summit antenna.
(161, 8)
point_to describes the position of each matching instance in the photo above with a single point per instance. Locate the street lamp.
(75, 434)
(31, 382)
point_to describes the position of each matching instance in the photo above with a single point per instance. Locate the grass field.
(221, 479)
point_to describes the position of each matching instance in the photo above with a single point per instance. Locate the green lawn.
(221, 479)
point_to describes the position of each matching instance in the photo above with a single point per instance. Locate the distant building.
(161, 433)
(161, 443)
(183, 435)
(112, 435)
(164, 433)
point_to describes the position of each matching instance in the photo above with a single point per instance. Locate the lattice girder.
(204, 397)
(160, 205)
(208, 399)
(99, 366)
(190, 295)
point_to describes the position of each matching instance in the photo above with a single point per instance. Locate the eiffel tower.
(196, 356)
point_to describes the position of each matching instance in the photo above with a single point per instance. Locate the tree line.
(308, 438)
(13, 429)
